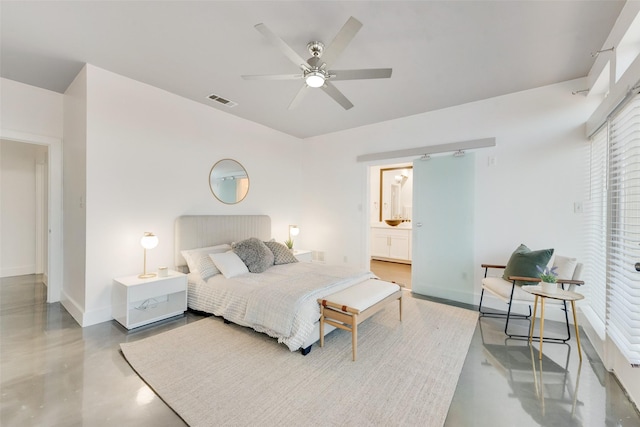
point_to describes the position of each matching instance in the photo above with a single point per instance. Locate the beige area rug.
(216, 374)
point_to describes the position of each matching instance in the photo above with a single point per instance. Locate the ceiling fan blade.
(273, 77)
(284, 48)
(299, 96)
(337, 96)
(367, 73)
(340, 42)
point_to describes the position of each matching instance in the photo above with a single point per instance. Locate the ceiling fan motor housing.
(315, 48)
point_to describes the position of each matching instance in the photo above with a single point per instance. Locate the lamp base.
(146, 275)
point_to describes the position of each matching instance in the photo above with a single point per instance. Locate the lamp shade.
(149, 240)
(294, 230)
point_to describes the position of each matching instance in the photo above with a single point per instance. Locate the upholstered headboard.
(198, 231)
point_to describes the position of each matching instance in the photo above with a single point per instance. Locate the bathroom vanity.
(391, 243)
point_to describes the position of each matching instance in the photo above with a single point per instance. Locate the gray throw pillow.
(281, 253)
(254, 253)
(207, 268)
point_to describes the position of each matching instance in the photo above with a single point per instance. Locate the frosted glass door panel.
(443, 240)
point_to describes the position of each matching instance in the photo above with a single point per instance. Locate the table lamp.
(148, 241)
(293, 231)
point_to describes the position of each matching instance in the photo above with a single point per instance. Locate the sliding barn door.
(443, 227)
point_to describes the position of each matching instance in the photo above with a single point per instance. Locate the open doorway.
(47, 258)
(391, 211)
(23, 169)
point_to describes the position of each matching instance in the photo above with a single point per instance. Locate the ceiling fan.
(316, 72)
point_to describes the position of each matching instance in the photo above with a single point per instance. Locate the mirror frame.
(218, 197)
(382, 171)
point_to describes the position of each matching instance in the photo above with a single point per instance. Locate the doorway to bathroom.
(391, 211)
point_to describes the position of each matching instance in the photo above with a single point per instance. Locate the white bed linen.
(262, 302)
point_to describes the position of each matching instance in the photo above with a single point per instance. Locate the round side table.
(559, 294)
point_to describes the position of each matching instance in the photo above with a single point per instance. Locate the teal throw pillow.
(523, 263)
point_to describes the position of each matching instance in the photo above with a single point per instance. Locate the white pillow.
(566, 266)
(194, 256)
(229, 264)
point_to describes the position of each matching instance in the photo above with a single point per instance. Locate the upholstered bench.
(349, 307)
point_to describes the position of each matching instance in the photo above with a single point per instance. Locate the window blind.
(623, 251)
(595, 216)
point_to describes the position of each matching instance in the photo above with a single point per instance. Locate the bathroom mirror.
(229, 181)
(396, 193)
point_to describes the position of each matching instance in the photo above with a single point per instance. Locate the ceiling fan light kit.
(314, 79)
(315, 70)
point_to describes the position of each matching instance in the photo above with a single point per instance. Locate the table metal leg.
(575, 323)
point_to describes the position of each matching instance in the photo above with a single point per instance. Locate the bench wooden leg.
(400, 304)
(321, 326)
(354, 336)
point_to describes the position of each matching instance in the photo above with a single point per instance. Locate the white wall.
(74, 184)
(526, 197)
(148, 154)
(18, 202)
(35, 116)
(148, 157)
(29, 109)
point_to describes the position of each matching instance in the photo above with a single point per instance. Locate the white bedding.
(281, 302)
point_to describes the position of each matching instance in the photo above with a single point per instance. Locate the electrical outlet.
(577, 207)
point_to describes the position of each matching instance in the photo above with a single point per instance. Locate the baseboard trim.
(85, 318)
(72, 307)
(97, 316)
(443, 293)
(18, 271)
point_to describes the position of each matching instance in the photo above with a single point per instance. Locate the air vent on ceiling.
(222, 100)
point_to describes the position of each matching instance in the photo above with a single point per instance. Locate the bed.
(278, 300)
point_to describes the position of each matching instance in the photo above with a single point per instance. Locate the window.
(595, 211)
(613, 230)
(623, 325)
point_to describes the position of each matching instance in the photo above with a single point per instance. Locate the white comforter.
(281, 302)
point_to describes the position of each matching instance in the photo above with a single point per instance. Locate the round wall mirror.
(229, 181)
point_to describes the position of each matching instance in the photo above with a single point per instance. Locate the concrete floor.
(54, 373)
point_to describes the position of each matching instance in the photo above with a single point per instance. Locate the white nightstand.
(136, 302)
(302, 255)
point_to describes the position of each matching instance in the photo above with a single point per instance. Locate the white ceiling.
(443, 53)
